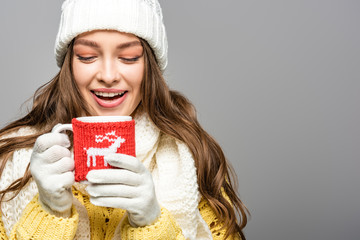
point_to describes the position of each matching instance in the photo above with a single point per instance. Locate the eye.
(85, 59)
(129, 60)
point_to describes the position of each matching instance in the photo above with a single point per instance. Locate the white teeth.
(107, 94)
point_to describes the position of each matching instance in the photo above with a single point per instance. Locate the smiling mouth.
(107, 96)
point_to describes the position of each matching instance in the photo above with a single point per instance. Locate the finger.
(112, 190)
(106, 176)
(48, 140)
(124, 161)
(68, 179)
(55, 153)
(65, 164)
(114, 202)
(61, 127)
(55, 183)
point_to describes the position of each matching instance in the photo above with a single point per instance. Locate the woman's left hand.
(128, 187)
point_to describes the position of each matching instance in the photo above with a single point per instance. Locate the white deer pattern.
(110, 137)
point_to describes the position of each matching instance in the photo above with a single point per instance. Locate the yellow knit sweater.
(35, 223)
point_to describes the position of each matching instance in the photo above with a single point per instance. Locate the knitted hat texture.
(142, 18)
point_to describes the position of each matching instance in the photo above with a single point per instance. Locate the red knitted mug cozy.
(92, 141)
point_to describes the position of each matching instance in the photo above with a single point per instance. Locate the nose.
(109, 73)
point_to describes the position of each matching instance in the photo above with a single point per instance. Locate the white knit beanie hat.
(142, 18)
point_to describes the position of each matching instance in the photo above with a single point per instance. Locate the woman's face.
(108, 67)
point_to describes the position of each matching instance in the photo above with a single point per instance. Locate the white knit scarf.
(174, 176)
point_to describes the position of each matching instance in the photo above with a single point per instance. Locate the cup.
(96, 137)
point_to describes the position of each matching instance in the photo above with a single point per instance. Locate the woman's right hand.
(52, 166)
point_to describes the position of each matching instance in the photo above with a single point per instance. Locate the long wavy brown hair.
(59, 100)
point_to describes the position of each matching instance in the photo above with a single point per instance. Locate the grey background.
(275, 82)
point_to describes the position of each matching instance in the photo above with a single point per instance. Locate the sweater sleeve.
(167, 228)
(2, 230)
(164, 228)
(36, 223)
(213, 222)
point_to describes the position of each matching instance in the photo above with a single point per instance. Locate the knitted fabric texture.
(173, 170)
(174, 175)
(103, 222)
(142, 18)
(14, 169)
(92, 141)
(34, 224)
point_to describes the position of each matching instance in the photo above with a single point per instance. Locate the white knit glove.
(51, 166)
(129, 187)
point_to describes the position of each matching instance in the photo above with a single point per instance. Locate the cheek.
(81, 76)
(138, 75)
(134, 75)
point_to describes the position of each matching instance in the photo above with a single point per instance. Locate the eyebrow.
(95, 45)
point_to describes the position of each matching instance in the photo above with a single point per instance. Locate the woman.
(111, 55)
